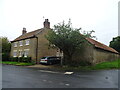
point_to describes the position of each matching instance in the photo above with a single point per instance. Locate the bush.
(84, 63)
(5, 57)
(26, 59)
(77, 63)
(15, 59)
(21, 59)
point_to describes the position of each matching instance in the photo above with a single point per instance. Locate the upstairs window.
(27, 42)
(15, 44)
(21, 43)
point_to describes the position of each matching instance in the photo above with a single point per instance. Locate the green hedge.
(21, 59)
(5, 57)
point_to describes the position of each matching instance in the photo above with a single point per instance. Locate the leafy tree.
(66, 38)
(115, 43)
(6, 46)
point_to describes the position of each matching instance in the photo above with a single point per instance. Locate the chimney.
(46, 23)
(24, 31)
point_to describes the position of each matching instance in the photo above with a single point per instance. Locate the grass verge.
(16, 63)
(101, 66)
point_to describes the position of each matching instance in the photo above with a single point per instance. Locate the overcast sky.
(98, 15)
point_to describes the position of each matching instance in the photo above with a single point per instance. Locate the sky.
(98, 15)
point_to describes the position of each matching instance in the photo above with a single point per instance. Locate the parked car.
(50, 60)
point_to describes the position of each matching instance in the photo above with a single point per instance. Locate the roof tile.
(27, 35)
(100, 45)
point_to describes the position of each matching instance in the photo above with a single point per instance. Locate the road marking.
(48, 71)
(68, 73)
(67, 84)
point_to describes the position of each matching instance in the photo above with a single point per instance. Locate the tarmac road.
(24, 77)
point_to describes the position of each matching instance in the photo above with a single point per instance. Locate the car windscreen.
(43, 57)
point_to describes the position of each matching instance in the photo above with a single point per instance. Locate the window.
(21, 43)
(15, 53)
(27, 42)
(26, 52)
(20, 53)
(15, 44)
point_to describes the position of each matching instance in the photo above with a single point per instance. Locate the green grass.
(108, 65)
(16, 63)
(101, 66)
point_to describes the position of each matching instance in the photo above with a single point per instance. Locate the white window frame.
(21, 43)
(20, 53)
(15, 44)
(27, 42)
(26, 52)
(14, 53)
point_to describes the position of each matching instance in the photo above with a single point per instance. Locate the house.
(35, 45)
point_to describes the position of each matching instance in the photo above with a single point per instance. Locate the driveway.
(26, 77)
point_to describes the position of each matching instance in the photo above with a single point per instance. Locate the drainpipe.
(36, 50)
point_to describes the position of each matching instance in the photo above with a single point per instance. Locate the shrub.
(5, 57)
(26, 59)
(77, 63)
(21, 59)
(15, 59)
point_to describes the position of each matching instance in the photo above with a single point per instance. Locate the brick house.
(35, 45)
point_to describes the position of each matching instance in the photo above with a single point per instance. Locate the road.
(24, 77)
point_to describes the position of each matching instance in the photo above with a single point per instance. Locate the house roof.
(93, 42)
(27, 35)
(100, 45)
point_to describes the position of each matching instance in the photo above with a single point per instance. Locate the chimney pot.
(46, 23)
(24, 31)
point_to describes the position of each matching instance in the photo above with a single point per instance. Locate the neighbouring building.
(35, 45)
(96, 52)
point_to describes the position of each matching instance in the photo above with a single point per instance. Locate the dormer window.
(15, 44)
(27, 42)
(21, 43)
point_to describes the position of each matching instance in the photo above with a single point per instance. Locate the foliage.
(5, 57)
(6, 46)
(104, 65)
(89, 34)
(21, 59)
(67, 39)
(115, 43)
(16, 63)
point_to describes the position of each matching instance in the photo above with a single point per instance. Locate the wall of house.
(94, 55)
(43, 46)
(31, 47)
(102, 55)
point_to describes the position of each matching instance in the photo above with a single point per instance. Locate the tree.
(6, 47)
(66, 38)
(115, 43)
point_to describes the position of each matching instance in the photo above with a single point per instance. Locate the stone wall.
(102, 56)
(94, 55)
